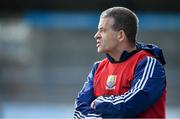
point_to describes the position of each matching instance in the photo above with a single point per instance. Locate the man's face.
(106, 37)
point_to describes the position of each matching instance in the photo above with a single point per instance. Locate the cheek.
(110, 41)
(106, 42)
(106, 38)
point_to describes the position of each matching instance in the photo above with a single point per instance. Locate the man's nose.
(96, 35)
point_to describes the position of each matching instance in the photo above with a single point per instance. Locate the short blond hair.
(124, 19)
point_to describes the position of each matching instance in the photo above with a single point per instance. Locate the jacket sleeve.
(146, 88)
(85, 97)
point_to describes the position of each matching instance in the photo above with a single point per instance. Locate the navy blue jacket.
(115, 106)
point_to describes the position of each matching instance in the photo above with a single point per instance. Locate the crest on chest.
(111, 82)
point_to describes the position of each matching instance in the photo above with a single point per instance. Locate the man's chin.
(100, 51)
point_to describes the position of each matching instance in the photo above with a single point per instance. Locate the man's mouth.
(98, 44)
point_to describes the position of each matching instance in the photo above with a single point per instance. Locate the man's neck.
(116, 55)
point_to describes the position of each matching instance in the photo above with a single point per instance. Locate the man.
(131, 81)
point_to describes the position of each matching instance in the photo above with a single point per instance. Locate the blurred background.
(47, 49)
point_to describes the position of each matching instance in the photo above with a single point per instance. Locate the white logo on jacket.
(111, 81)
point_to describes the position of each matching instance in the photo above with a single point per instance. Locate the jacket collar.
(125, 55)
(151, 48)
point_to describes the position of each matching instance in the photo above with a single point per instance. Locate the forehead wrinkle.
(103, 22)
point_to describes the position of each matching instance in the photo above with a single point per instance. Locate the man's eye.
(101, 30)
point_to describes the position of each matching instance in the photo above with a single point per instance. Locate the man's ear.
(121, 35)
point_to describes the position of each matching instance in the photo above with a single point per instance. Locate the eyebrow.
(101, 28)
